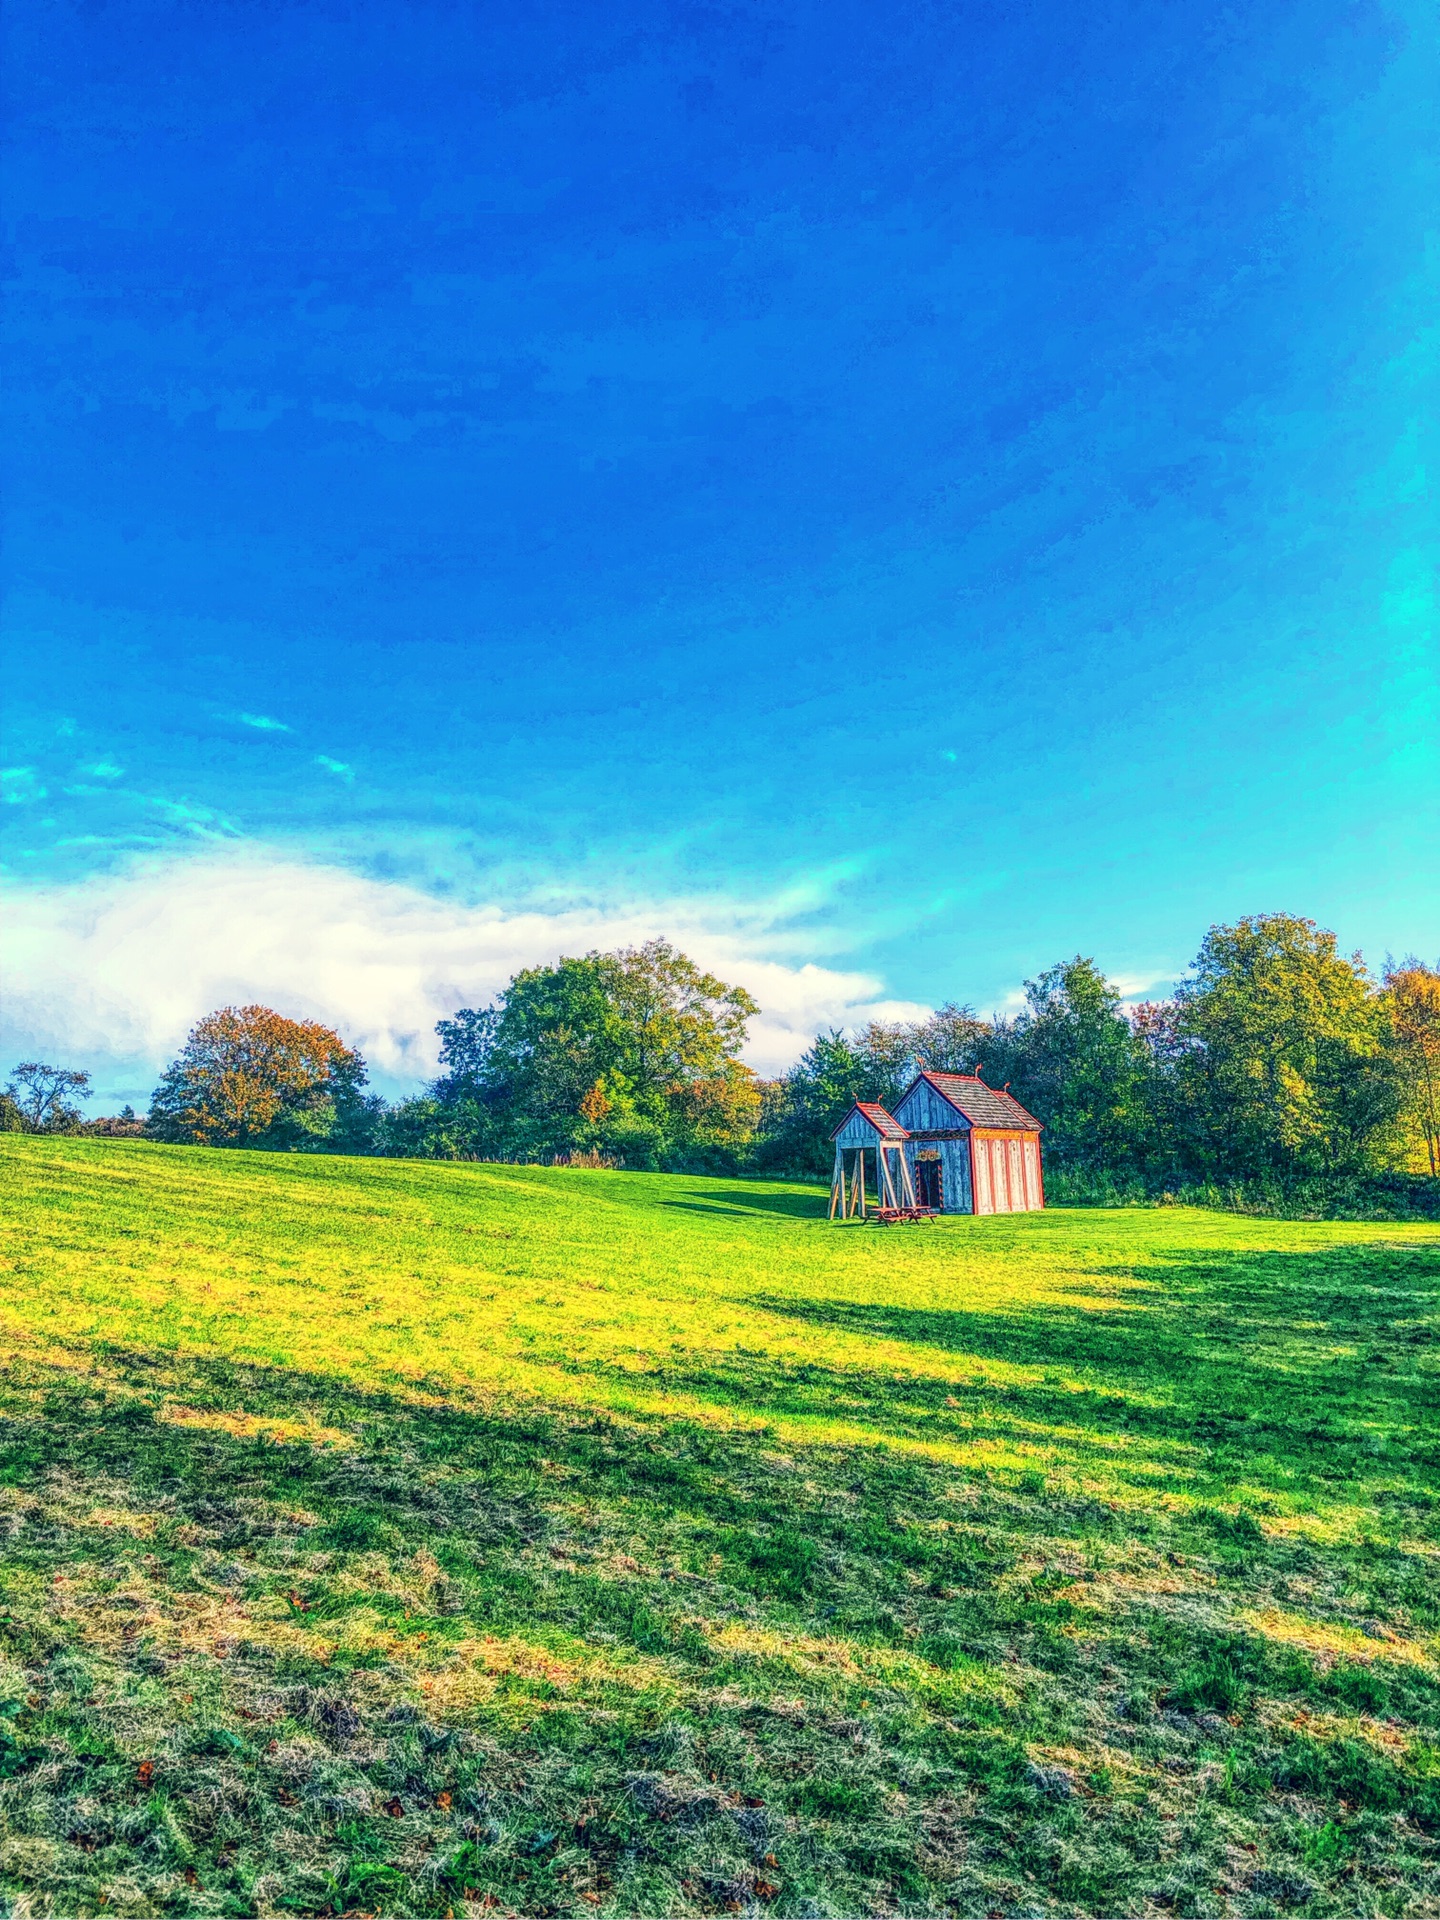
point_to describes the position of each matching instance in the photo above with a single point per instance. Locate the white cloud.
(263, 722)
(1133, 988)
(19, 786)
(115, 969)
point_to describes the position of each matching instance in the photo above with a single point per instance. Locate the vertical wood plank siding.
(955, 1176)
(984, 1203)
(1007, 1172)
(923, 1110)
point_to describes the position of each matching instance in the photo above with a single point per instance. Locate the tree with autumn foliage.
(1412, 1001)
(248, 1077)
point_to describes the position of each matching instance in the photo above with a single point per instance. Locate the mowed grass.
(397, 1538)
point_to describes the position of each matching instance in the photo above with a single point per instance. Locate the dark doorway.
(927, 1184)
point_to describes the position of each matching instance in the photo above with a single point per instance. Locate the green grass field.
(393, 1538)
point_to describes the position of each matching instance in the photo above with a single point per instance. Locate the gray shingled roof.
(885, 1124)
(982, 1106)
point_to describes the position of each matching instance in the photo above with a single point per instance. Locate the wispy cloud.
(116, 969)
(20, 785)
(1133, 988)
(337, 767)
(263, 722)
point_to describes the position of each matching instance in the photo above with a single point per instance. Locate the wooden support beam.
(888, 1195)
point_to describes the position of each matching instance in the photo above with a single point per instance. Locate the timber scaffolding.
(868, 1128)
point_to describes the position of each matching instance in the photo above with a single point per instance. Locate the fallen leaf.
(145, 1772)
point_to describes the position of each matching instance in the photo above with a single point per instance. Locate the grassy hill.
(390, 1538)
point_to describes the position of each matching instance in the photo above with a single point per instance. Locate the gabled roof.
(982, 1106)
(885, 1124)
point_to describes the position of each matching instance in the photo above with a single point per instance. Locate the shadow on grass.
(285, 1610)
(1309, 1371)
(827, 1630)
(794, 1206)
(1311, 1375)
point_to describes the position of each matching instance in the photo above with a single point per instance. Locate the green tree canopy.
(1289, 1069)
(1412, 1006)
(1073, 1059)
(633, 1052)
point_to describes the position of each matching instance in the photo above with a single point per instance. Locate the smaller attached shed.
(970, 1148)
(868, 1128)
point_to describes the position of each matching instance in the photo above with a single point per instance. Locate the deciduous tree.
(951, 1040)
(632, 1052)
(1289, 1067)
(44, 1096)
(834, 1070)
(1412, 1002)
(248, 1077)
(1073, 1060)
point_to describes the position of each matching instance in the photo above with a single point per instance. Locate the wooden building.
(972, 1148)
(953, 1145)
(869, 1129)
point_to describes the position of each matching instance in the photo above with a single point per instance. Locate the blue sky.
(912, 491)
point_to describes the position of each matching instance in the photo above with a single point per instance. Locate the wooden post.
(837, 1182)
(907, 1183)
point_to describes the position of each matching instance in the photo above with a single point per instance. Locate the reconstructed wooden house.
(971, 1148)
(952, 1145)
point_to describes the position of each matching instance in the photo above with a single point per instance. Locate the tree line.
(1280, 1063)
